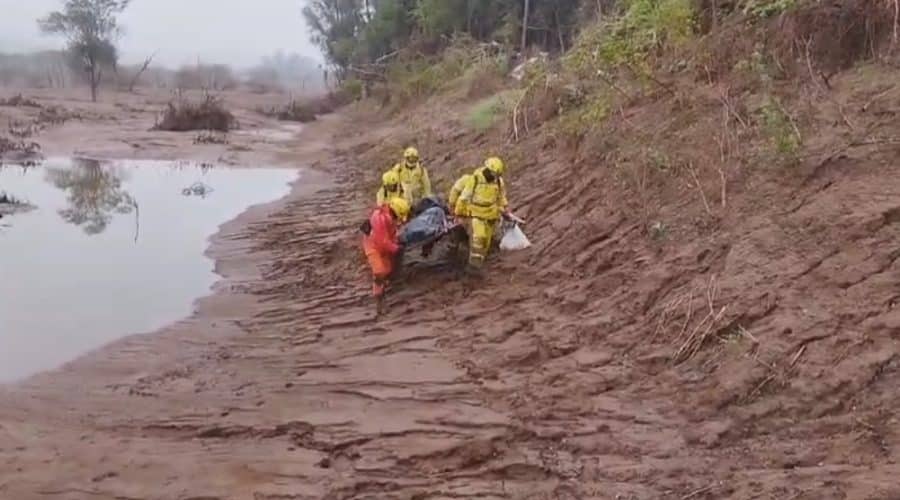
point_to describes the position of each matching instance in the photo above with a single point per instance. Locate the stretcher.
(427, 228)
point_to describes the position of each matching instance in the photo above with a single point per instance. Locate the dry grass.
(18, 149)
(19, 100)
(295, 111)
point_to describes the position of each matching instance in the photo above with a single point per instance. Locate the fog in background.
(234, 32)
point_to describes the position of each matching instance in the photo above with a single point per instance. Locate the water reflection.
(94, 194)
(64, 291)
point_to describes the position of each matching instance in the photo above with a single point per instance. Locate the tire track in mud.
(488, 423)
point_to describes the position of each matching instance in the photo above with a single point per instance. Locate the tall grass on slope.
(488, 111)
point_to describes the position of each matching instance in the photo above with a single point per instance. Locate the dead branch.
(688, 317)
(712, 290)
(726, 101)
(797, 356)
(691, 345)
(140, 72)
(743, 331)
(666, 314)
(602, 75)
(697, 492)
(809, 67)
(876, 97)
(515, 118)
(699, 187)
(812, 76)
(666, 87)
(722, 141)
(386, 57)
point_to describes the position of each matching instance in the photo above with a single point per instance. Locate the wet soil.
(747, 355)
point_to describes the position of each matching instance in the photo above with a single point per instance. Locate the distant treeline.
(55, 69)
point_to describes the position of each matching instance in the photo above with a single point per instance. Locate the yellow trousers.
(481, 234)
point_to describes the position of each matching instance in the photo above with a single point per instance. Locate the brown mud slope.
(747, 351)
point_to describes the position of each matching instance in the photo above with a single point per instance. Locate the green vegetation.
(355, 33)
(779, 128)
(768, 8)
(587, 116)
(645, 27)
(462, 60)
(353, 88)
(487, 112)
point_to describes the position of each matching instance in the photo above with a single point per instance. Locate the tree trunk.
(524, 28)
(95, 81)
(559, 31)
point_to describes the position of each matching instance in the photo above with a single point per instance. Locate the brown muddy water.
(110, 249)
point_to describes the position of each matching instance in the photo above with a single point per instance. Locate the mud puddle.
(110, 249)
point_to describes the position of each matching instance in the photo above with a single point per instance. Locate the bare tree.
(140, 71)
(90, 28)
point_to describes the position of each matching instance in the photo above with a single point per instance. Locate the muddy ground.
(751, 356)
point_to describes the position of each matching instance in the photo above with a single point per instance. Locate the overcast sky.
(237, 32)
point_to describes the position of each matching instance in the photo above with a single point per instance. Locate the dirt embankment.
(674, 333)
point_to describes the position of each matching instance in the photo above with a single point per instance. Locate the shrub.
(183, 115)
(294, 111)
(645, 27)
(594, 111)
(208, 137)
(780, 129)
(18, 148)
(19, 100)
(8, 199)
(353, 88)
(768, 8)
(421, 76)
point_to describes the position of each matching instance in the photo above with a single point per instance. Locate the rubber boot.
(426, 250)
(378, 291)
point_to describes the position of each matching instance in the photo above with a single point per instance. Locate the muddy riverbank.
(607, 361)
(63, 413)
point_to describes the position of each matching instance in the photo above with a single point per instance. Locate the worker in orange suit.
(381, 246)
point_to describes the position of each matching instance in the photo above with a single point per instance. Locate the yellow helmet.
(390, 178)
(495, 165)
(400, 207)
(411, 154)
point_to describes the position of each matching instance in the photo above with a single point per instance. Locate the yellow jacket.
(415, 182)
(383, 195)
(457, 190)
(482, 199)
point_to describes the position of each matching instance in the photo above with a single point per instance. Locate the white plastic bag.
(514, 239)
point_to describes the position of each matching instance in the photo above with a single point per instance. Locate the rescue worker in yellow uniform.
(458, 238)
(413, 177)
(483, 201)
(457, 190)
(390, 188)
